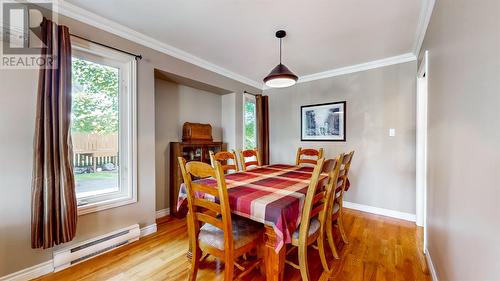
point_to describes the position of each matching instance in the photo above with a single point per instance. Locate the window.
(249, 122)
(103, 126)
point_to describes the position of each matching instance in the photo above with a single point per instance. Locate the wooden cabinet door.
(210, 147)
(192, 152)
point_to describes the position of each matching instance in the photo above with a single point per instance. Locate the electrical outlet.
(392, 132)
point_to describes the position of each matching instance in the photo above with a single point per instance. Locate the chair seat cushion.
(336, 208)
(313, 228)
(244, 232)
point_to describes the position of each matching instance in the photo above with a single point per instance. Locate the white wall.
(174, 105)
(232, 120)
(463, 188)
(228, 116)
(383, 168)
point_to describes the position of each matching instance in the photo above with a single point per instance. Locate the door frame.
(421, 145)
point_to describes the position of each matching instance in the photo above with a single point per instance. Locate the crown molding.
(423, 23)
(77, 13)
(80, 14)
(358, 67)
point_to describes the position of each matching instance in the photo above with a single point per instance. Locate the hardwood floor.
(379, 248)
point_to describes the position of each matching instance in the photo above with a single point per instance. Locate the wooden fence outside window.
(93, 150)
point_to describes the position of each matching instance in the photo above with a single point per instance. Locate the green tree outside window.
(250, 125)
(95, 97)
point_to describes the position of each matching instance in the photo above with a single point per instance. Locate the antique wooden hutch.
(197, 142)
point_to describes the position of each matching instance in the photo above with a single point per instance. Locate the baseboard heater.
(96, 246)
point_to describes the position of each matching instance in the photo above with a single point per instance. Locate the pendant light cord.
(280, 50)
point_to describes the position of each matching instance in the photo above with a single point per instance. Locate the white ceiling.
(238, 35)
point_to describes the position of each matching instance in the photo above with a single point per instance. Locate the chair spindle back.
(314, 202)
(223, 157)
(306, 155)
(250, 153)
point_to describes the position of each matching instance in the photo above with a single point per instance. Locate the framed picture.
(323, 122)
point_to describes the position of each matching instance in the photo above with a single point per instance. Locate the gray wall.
(17, 111)
(232, 120)
(176, 104)
(463, 40)
(383, 169)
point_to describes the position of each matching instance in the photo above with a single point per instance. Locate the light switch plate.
(392, 132)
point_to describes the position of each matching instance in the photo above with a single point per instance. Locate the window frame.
(252, 99)
(127, 134)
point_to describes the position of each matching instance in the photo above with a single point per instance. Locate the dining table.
(272, 195)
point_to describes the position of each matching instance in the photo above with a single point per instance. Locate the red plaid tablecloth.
(272, 195)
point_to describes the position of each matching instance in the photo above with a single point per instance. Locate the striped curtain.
(54, 207)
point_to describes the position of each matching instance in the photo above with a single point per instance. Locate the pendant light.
(280, 76)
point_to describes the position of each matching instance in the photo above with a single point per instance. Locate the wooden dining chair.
(254, 160)
(211, 228)
(311, 229)
(224, 157)
(335, 213)
(347, 167)
(332, 206)
(308, 156)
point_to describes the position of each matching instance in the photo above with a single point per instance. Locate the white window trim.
(253, 99)
(113, 200)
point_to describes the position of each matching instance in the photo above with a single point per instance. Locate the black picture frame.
(342, 119)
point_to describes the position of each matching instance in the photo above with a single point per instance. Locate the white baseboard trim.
(380, 211)
(162, 213)
(147, 230)
(30, 272)
(48, 266)
(430, 265)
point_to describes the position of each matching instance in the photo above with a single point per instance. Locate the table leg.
(274, 262)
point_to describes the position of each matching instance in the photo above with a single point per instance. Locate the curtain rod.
(137, 57)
